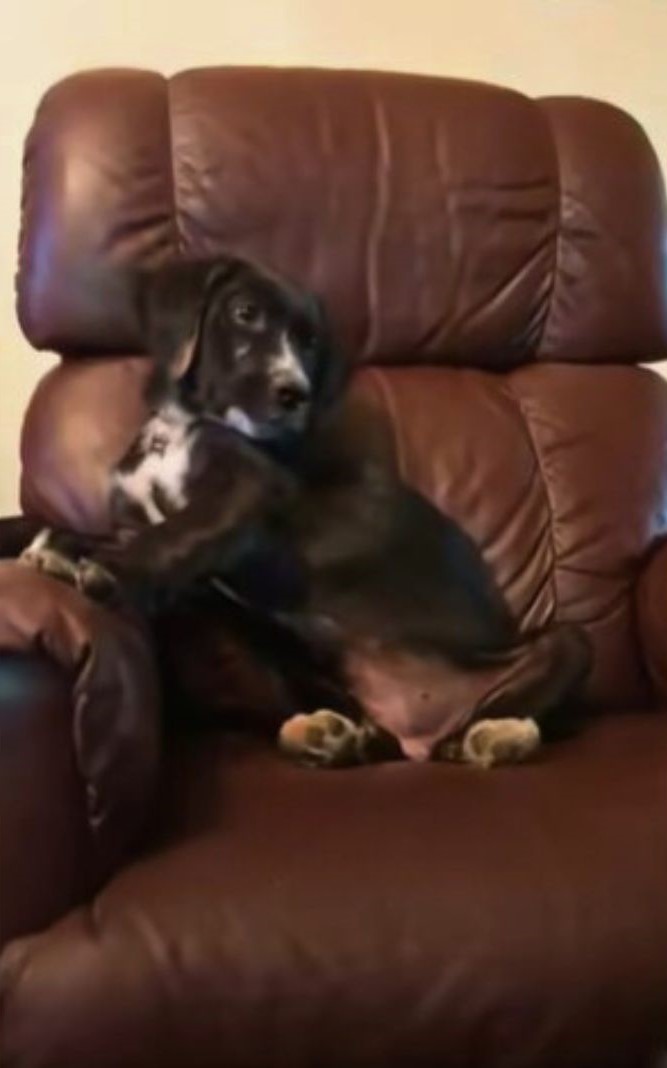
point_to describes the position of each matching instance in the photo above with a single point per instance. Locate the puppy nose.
(291, 396)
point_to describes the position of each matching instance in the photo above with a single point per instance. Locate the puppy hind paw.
(492, 742)
(322, 739)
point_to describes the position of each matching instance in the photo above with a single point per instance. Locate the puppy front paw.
(43, 555)
(46, 554)
(491, 742)
(322, 739)
(95, 581)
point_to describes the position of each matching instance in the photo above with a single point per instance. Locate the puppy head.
(238, 344)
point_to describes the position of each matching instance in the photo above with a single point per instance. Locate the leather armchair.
(174, 893)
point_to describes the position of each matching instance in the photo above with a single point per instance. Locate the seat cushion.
(391, 915)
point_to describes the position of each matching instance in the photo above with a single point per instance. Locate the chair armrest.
(652, 618)
(45, 850)
(111, 714)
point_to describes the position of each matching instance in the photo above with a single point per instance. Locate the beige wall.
(615, 49)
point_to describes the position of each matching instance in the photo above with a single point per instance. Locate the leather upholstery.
(483, 256)
(96, 401)
(651, 611)
(442, 221)
(114, 731)
(45, 849)
(565, 492)
(394, 916)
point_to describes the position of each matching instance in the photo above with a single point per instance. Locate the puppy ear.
(170, 303)
(332, 372)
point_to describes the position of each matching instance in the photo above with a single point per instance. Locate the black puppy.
(248, 475)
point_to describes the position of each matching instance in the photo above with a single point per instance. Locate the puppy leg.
(325, 739)
(545, 680)
(491, 742)
(46, 554)
(530, 694)
(95, 580)
(58, 554)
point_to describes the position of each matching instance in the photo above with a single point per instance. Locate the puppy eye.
(308, 338)
(245, 312)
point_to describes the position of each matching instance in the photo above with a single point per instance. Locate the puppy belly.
(425, 700)
(420, 700)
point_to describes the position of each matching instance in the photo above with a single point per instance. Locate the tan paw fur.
(491, 742)
(40, 556)
(322, 739)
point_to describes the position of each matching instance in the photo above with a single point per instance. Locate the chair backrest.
(454, 229)
(443, 221)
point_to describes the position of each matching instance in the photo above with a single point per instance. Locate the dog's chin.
(272, 429)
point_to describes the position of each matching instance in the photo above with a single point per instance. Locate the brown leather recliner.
(185, 898)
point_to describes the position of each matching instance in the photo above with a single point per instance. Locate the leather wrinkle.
(383, 161)
(536, 595)
(379, 376)
(558, 234)
(531, 441)
(171, 166)
(502, 288)
(614, 246)
(445, 170)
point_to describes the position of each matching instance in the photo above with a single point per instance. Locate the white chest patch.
(161, 472)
